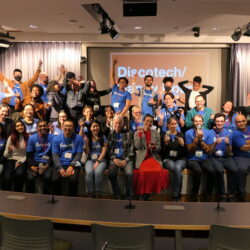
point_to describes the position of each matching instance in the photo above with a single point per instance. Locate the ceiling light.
(113, 33)
(138, 27)
(237, 34)
(32, 26)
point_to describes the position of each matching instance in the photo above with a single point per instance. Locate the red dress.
(150, 177)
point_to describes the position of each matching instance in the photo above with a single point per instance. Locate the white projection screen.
(181, 64)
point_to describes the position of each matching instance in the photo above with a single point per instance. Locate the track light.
(113, 33)
(196, 31)
(247, 32)
(4, 43)
(237, 34)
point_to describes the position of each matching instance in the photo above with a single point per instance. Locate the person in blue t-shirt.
(67, 149)
(199, 142)
(96, 161)
(120, 98)
(136, 120)
(241, 150)
(227, 110)
(148, 98)
(43, 82)
(170, 109)
(39, 160)
(222, 159)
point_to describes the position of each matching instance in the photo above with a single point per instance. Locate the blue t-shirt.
(199, 154)
(67, 148)
(118, 146)
(2, 143)
(146, 107)
(40, 147)
(44, 96)
(134, 125)
(119, 98)
(230, 125)
(239, 140)
(16, 89)
(31, 128)
(57, 131)
(96, 149)
(168, 112)
(220, 149)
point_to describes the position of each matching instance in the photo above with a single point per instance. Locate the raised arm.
(32, 81)
(209, 89)
(115, 61)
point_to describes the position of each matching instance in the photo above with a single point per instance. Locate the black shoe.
(116, 197)
(232, 198)
(223, 198)
(242, 198)
(176, 198)
(193, 198)
(147, 197)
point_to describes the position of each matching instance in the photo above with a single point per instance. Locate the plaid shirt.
(127, 142)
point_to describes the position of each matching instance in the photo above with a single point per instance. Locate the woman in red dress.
(149, 176)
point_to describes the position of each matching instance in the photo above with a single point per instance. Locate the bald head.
(241, 122)
(44, 78)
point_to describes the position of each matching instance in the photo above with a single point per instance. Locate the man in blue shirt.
(241, 150)
(67, 149)
(39, 158)
(222, 159)
(148, 98)
(199, 142)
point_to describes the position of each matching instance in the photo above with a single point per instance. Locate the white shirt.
(191, 101)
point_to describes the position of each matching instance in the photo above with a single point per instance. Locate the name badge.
(68, 155)
(198, 153)
(117, 150)
(94, 156)
(96, 107)
(173, 153)
(218, 153)
(45, 157)
(116, 105)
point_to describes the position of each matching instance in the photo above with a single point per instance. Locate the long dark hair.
(231, 113)
(100, 135)
(15, 136)
(89, 85)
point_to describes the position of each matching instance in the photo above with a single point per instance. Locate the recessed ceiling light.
(32, 26)
(138, 27)
(73, 21)
(215, 28)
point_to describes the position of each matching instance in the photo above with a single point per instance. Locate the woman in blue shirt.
(227, 110)
(96, 162)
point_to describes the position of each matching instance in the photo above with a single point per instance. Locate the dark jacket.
(188, 91)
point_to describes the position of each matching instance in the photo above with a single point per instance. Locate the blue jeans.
(93, 177)
(175, 167)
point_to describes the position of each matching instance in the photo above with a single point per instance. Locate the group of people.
(52, 129)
